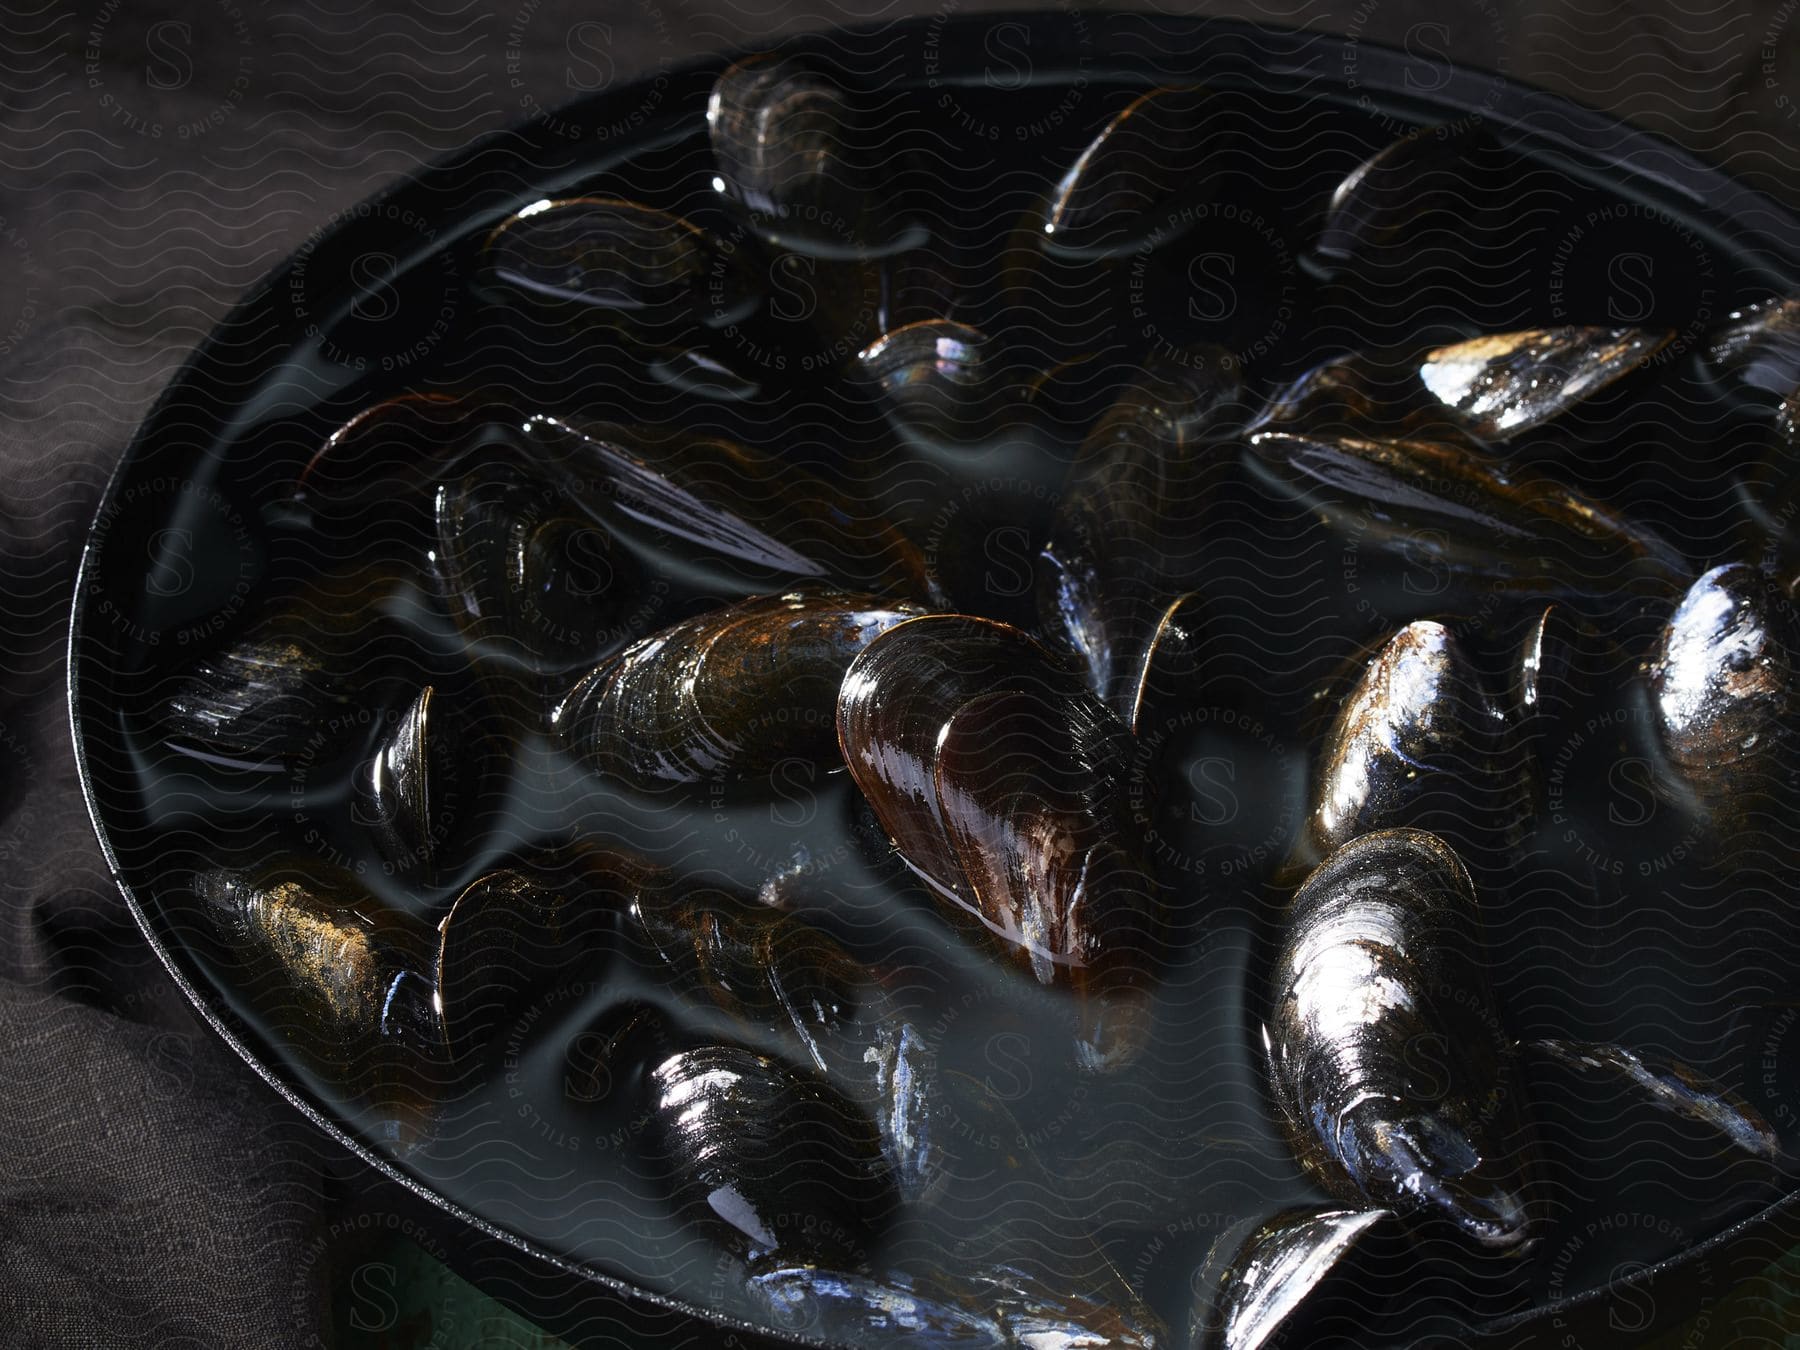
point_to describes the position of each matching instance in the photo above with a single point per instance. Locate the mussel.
(656, 274)
(1387, 1057)
(1759, 346)
(727, 694)
(1000, 780)
(1489, 388)
(343, 977)
(1723, 683)
(1269, 1280)
(431, 789)
(1125, 544)
(1511, 528)
(771, 1160)
(1417, 742)
(938, 380)
(526, 576)
(1156, 150)
(791, 147)
(296, 686)
(727, 516)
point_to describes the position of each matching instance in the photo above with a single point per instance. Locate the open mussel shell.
(1511, 529)
(384, 451)
(725, 695)
(625, 263)
(1000, 779)
(1418, 741)
(342, 977)
(723, 515)
(523, 573)
(1160, 147)
(1124, 544)
(1759, 346)
(1387, 1057)
(1722, 681)
(769, 1159)
(1288, 1278)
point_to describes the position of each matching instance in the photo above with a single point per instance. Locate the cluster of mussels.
(992, 760)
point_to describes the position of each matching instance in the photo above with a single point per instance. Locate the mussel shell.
(1489, 388)
(629, 263)
(723, 515)
(770, 1160)
(432, 790)
(341, 977)
(791, 148)
(847, 1307)
(1001, 781)
(1759, 345)
(1417, 742)
(1723, 684)
(939, 381)
(525, 574)
(1124, 543)
(1156, 149)
(1427, 179)
(1514, 529)
(1387, 1057)
(1279, 1280)
(295, 686)
(510, 935)
(727, 694)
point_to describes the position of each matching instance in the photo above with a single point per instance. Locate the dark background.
(155, 160)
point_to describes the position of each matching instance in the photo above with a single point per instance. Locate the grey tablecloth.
(156, 157)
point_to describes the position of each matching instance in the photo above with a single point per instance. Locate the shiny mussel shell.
(1001, 781)
(1266, 1280)
(341, 976)
(1386, 1054)
(1723, 685)
(523, 572)
(432, 788)
(769, 1159)
(1124, 543)
(1759, 345)
(736, 518)
(627, 263)
(1515, 529)
(1417, 742)
(1153, 151)
(1489, 388)
(727, 694)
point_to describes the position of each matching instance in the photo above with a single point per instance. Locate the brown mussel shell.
(340, 976)
(728, 694)
(1000, 781)
(771, 1160)
(1386, 1054)
(1516, 530)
